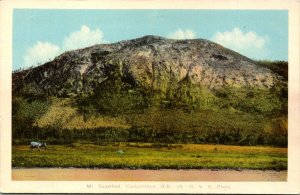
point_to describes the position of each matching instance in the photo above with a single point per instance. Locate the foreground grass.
(152, 156)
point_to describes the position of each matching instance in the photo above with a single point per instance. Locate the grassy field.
(152, 156)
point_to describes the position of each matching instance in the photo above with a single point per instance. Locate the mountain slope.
(152, 89)
(150, 62)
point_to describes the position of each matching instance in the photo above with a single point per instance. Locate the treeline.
(103, 136)
(279, 67)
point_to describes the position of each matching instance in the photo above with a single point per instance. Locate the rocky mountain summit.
(149, 62)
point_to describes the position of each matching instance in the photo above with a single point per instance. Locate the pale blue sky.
(256, 34)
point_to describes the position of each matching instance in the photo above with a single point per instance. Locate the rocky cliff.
(149, 62)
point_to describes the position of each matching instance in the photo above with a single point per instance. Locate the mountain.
(151, 62)
(152, 89)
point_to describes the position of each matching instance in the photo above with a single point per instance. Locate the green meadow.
(151, 156)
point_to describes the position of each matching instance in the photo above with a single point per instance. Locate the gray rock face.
(150, 62)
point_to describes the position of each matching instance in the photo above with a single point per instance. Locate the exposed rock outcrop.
(149, 62)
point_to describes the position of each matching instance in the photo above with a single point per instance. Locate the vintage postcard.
(150, 96)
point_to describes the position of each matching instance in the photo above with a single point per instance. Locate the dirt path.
(76, 174)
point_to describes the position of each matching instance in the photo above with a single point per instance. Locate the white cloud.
(83, 38)
(247, 43)
(182, 34)
(41, 52)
